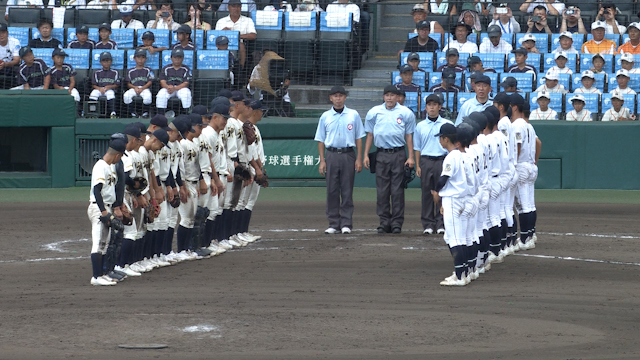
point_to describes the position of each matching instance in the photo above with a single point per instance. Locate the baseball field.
(301, 294)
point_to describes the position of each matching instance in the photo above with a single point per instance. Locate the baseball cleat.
(331, 231)
(100, 281)
(440, 231)
(494, 259)
(428, 231)
(257, 237)
(234, 242)
(453, 282)
(225, 245)
(109, 278)
(127, 270)
(346, 230)
(115, 276)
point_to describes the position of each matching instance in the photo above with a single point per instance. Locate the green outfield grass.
(318, 194)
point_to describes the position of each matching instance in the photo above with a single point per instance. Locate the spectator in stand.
(572, 21)
(503, 17)
(105, 82)
(475, 65)
(627, 62)
(460, 31)
(510, 85)
(126, 19)
(622, 78)
(554, 8)
(308, 5)
(448, 83)
(419, 14)
(598, 66)
(633, 45)
(278, 5)
(440, 7)
(63, 76)
(237, 22)
(140, 4)
(579, 113)
(105, 42)
(196, 21)
(82, 39)
(414, 60)
(21, 4)
(164, 17)
(342, 6)
(222, 43)
(174, 82)
(529, 43)
(540, 24)
(148, 38)
(566, 44)
(247, 6)
(183, 34)
(9, 56)
(45, 26)
(102, 4)
(551, 83)
(495, 44)
(543, 112)
(588, 78)
(599, 45)
(561, 59)
(607, 14)
(422, 42)
(33, 74)
(472, 19)
(521, 65)
(452, 62)
(618, 112)
(407, 84)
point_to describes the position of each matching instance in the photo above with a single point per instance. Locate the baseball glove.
(140, 184)
(262, 180)
(155, 208)
(249, 132)
(241, 173)
(127, 218)
(112, 221)
(176, 201)
(409, 175)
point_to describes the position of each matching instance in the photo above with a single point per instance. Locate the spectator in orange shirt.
(599, 45)
(633, 45)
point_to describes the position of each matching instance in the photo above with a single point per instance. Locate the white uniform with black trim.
(527, 169)
(104, 174)
(146, 160)
(190, 171)
(161, 167)
(208, 140)
(258, 153)
(176, 165)
(454, 195)
(132, 165)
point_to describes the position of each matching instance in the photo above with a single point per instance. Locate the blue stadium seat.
(441, 59)
(334, 47)
(618, 62)
(462, 97)
(165, 58)
(211, 76)
(437, 37)
(300, 44)
(549, 61)
(576, 82)
(419, 78)
(212, 62)
(629, 102)
(532, 59)
(80, 59)
(234, 38)
(542, 41)
(117, 55)
(71, 34)
(585, 62)
(592, 102)
(492, 76)
(435, 78)
(20, 33)
(45, 55)
(634, 82)
(123, 37)
(525, 81)
(153, 61)
(565, 80)
(614, 37)
(269, 30)
(492, 60)
(449, 101)
(197, 38)
(578, 40)
(56, 33)
(162, 36)
(556, 103)
(337, 27)
(302, 22)
(426, 60)
(411, 101)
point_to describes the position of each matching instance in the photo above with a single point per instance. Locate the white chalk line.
(569, 258)
(56, 246)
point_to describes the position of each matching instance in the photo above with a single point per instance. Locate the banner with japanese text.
(291, 159)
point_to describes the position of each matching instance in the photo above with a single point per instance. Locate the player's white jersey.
(453, 166)
(146, 160)
(211, 138)
(176, 158)
(472, 169)
(504, 125)
(502, 145)
(202, 143)
(477, 152)
(528, 147)
(236, 146)
(162, 163)
(127, 163)
(104, 174)
(221, 148)
(190, 169)
(259, 146)
(519, 127)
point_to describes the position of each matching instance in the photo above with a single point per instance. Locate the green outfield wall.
(574, 155)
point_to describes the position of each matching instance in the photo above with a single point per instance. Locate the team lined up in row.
(205, 169)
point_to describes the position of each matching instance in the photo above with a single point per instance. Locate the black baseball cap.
(473, 60)
(482, 78)
(24, 51)
(494, 30)
(493, 115)
(186, 29)
(163, 136)
(222, 40)
(465, 132)
(448, 73)
(3, 27)
(453, 52)
(257, 105)
(104, 26)
(140, 52)
(406, 68)
(509, 82)
(235, 2)
(338, 89)
(142, 127)
(195, 119)
(521, 50)
(516, 99)
(59, 52)
(413, 56)
(118, 145)
(502, 98)
(434, 98)
(177, 53)
(183, 124)
(133, 130)
(474, 75)
(226, 93)
(423, 24)
(479, 118)
(200, 110)
(221, 108)
(84, 29)
(148, 35)
(237, 95)
(446, 129)
(105, 55)
(391, 89)
(160, 120)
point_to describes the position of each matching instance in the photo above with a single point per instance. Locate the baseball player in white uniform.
(527, 168)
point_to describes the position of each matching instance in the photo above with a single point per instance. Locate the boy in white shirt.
(543, 112)
(622, 77)
(579, 113)
(561, 58)
(588, 79)
(627, 62)
(551, 83)
(618, 112)
(566, 44)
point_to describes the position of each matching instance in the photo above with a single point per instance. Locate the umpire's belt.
(434, 158)
(340, 150)
(392, 150)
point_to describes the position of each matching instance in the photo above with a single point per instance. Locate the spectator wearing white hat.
(543, 112)
(551, 83)
(540, 24)
(529, 43)
(622, 78)
(126, 20)
(627, 62)
(561, 67)
(572, 21)
(495, 44)
(633, 45)
(579, 113)
(588, 79)
(566, 44)
(599, 45)
(607, 14)
(618, 112)
(503, 17)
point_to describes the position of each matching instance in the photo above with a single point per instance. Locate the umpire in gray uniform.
(390, 127)
(339, 131)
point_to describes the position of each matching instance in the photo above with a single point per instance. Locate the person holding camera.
(572, 21)
(503, 17)
(308, 5)
(554, 7)
(164, 18)
(607, 14)
(537, 22)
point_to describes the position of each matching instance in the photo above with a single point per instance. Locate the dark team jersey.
(103, 78)
(489, 70)
(189, 46)
(75, 44)
(110, 45)
(457, 68)
(33, 75)
(63, 76)
(412, 45)
(175, 76)
(408, 88)
(440, 88)
(40, 44)
(527, 68)
(139, 77)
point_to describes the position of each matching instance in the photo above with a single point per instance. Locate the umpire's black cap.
(482, 78)
(434, 98)
(338, 89)
(163, 136)
(391, 89)
(447, 129)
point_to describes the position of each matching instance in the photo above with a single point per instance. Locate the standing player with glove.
(102, 196)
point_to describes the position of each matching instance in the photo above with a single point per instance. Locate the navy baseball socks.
(167, 243)
(96, 265)
(494, 240)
